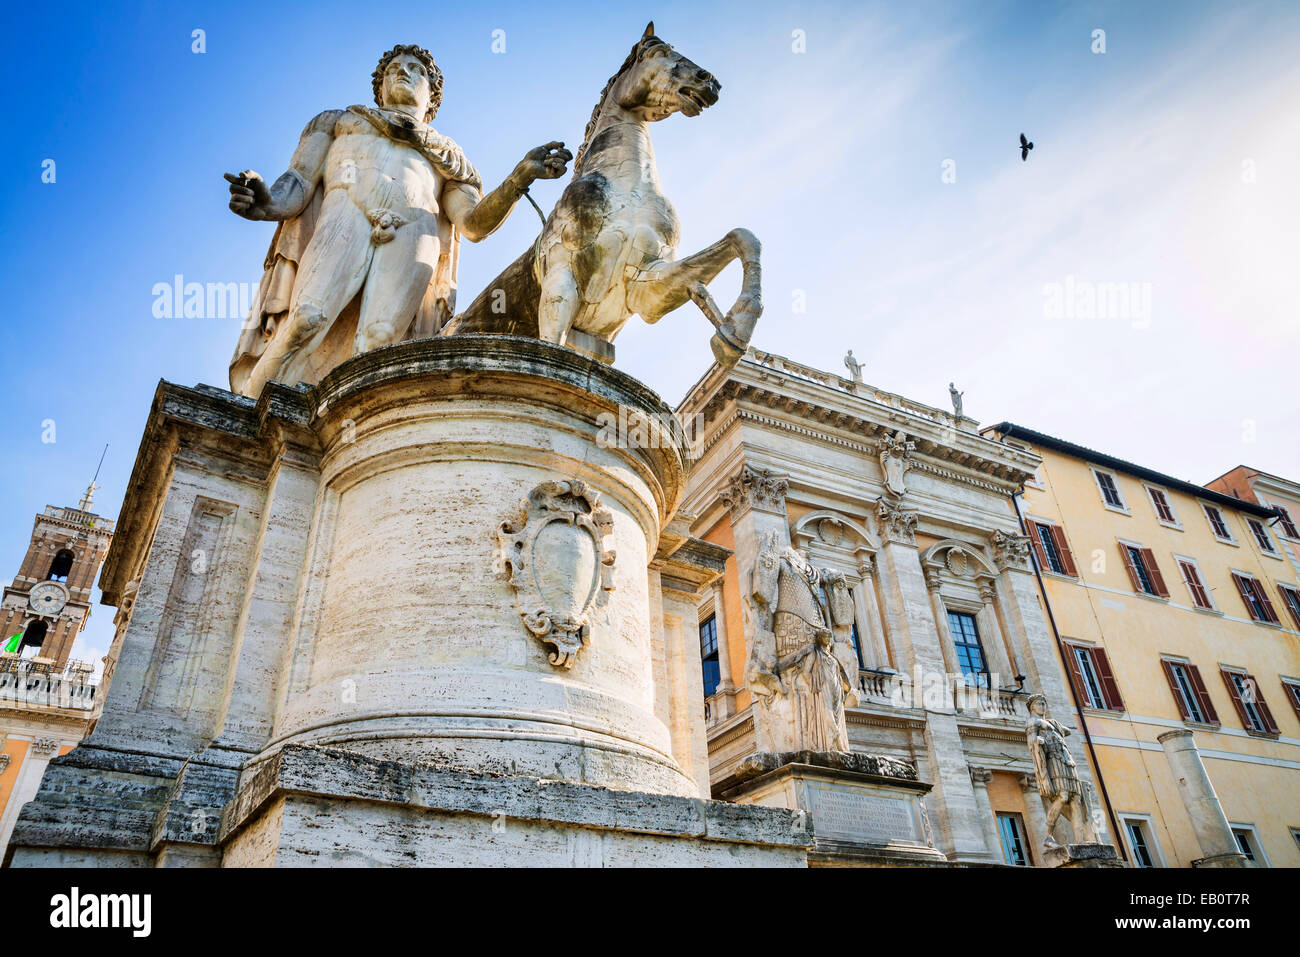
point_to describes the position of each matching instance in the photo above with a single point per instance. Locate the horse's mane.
(638, 48)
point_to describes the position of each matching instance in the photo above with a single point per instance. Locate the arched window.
(61, 565)
(33, 639)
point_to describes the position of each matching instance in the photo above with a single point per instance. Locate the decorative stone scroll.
(558, 563)
(753, 488)
(896, 524)
(1010, 551)
(895, 460)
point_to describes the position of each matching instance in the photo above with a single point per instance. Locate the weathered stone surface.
(319, 807)
(854, 761)
(1082, 855)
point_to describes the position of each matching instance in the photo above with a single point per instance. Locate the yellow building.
(1177, 617)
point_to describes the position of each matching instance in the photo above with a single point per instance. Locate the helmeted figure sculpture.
(800, 618)
(1057, 774)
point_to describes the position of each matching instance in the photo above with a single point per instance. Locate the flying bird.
(1025, 147)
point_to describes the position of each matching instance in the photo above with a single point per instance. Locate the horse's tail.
(508, 306)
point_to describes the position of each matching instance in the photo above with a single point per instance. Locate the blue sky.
(1167, 162)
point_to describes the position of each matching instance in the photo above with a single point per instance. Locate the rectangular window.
(1288, 526)
(1249, 701)
(1013, 840)
(970, 653)
(1109, 490)
(1217, 524)
(1255, 599)
(1261, 536)
(1194, 584)
(1164, 511)
(1291, 598)
(1092, 677)
(1293, 695)
(709, 654)
(1189, 692)
(1246, 842)
(857, 647)
(1050, 549)
(1138, 843)
(1143, 570)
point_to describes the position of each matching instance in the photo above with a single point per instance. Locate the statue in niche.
(371, 211)
(1057, 774)
(801, 666)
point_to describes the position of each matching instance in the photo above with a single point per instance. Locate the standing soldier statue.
(1058, 777)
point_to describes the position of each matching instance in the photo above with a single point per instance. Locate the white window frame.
(1176, 523)
(1128, 543)
(1290, 510)
(1231, 539)
(1122, 507)
(1214, 608)
(1149, 833)
(1251, 523)
(1186, 663)
(1281, 588)
(1075, 649)
(1261, 857)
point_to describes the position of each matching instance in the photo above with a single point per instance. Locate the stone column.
(917, 647)
(1035, 816)
(995, 645)
(940, 612)
(726, 693)
(1203, 808)
(979, 779)
(875, 650)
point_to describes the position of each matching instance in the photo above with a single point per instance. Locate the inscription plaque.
(845, 814)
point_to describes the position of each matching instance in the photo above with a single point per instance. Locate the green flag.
(11, 646)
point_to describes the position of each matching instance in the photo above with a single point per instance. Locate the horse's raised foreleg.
(559, 303)
(663, 286)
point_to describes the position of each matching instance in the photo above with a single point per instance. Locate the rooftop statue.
(372, 207)
(609, 248)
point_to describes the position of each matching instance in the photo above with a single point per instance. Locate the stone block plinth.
(1081, 855)
(863, 810)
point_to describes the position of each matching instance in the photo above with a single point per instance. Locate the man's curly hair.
(425, 57)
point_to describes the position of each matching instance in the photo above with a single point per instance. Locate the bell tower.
(48, 603)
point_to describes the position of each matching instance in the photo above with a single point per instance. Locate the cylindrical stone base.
(408, 639)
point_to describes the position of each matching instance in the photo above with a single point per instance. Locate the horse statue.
(608, 248)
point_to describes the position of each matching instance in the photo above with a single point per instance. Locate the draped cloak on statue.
(275, 292)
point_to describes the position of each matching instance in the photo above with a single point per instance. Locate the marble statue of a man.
(797, 670)
(1057, 774)
(371, 212)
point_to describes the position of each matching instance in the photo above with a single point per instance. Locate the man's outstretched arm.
(478, 217)
(251, 198)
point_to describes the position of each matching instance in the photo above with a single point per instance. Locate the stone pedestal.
(863, 810)
(445, 555)
(1081, 855)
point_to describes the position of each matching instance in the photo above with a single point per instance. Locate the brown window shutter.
(1109, 687)
(1292, 695)
(1269, 611)
(1199, 594)
(1236, 700)
(1203, 695)
(1243, 586)
(1262, 707)
(1063, 550)
(1132, 571)
(1153, 572)
(1035, 529)
(1291, 606)
(1076, 676)
(1173, 688)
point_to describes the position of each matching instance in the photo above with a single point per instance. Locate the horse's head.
(657, 81)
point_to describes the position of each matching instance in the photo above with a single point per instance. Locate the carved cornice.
(896, 524)
(755, 488)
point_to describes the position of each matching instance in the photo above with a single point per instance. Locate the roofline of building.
(1128, 468)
